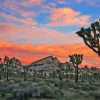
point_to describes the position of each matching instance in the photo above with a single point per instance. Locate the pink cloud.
(14, 7)
(62, 2)
(67, 16)
(14, 19)
(30, 32)
(31, 2)
(8, 29)
(28, 14)
(78, 1)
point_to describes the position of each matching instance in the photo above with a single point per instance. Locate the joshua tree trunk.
(25, 74)
(7, 74)
(0, 75)
(76, 74)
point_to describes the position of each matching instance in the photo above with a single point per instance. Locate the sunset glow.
(33, 29)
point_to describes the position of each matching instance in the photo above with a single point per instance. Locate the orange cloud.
(67, 16)
(29, 53)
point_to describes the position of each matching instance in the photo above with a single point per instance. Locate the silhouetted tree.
(25, 72)
(12, 66)
(91, 36)
(6, 62)
(1, 67)
(59, 74)
(76, 59)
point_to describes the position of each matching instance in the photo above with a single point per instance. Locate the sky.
(33, 29)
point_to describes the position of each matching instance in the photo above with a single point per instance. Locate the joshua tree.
(76, 59)
(91, 36)
(12, 66)
(6, 62)
(25, 68)
(1, 67)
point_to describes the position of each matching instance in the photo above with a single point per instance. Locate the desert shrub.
(17, 93)
(56, 83)
(97, 84)
(83, 93)
(11, 87)
(9, 97)
(11, 82)
(52, 89)
(3, 94)
(46, 92)
(50, 85)
(76, 86)
(41, 83)
(69, 96)
(36, 93)
(37, 80)
(51, 80)
(57, 92)
(62, 84)
(85, 86)
(4, 88)
(89, 88)
(4, 84)
(95, 94)
(33, 90)
(93, 88)
(17, 80)
(24, 84)
(70, 83)
(22, 94)
(25, 91)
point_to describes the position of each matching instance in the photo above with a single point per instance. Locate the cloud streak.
(95, 3)
(29, 53)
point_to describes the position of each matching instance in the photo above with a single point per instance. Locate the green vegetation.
(50, 89)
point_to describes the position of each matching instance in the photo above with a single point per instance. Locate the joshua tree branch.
(90, 46)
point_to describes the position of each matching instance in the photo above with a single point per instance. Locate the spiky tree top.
(91, 36)
(6, 59)
(76, 59)
(0, 59)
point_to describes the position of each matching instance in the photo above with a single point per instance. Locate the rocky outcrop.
(48, 64)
